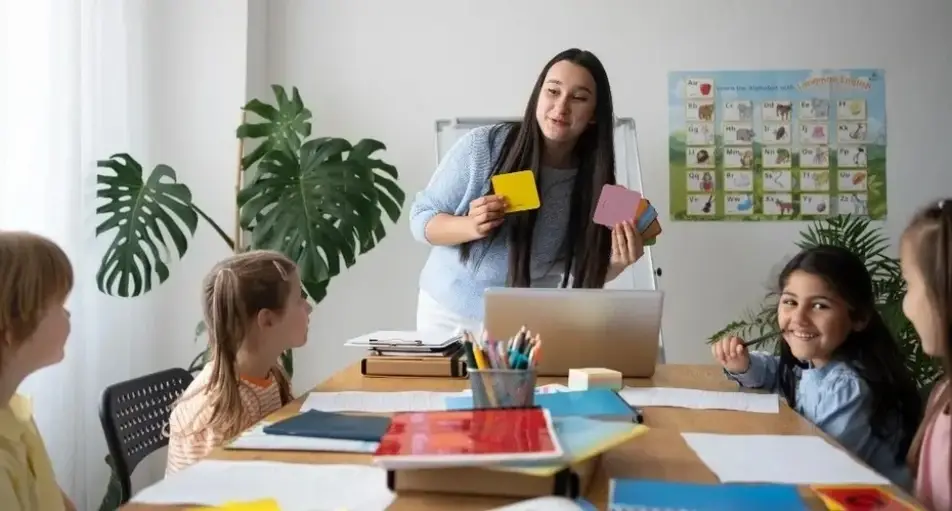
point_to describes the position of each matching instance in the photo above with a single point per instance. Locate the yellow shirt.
(27, 480)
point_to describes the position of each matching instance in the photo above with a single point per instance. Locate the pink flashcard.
(616, 204)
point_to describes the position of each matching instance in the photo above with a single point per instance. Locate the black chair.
(135, 417)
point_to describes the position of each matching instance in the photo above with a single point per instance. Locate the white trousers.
(433, 317)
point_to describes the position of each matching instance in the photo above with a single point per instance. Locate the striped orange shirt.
(191, 437)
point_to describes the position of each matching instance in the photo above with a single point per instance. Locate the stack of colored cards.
(617, 204)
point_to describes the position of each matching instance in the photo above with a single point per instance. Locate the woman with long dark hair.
(566, 138)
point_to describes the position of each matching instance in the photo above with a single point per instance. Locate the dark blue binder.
(339, 426)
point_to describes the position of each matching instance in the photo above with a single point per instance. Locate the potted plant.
(320, 201)
(869, 243)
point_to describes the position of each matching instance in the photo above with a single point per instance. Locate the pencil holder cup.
(502, 388)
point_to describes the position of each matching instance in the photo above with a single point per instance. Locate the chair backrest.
(135, 416)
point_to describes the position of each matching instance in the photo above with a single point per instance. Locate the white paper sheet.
(785, 459)
(700, 399)
(296, 486)
(256, 439)
(548, 503)
(550, 388)
(376, 402)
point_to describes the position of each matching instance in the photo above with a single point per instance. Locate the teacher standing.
(566, 138)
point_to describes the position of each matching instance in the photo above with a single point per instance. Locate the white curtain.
(68, 96)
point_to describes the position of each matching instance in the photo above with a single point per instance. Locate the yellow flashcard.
(519, 189)
(256, 505)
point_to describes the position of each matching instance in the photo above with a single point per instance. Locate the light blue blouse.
(839, 402)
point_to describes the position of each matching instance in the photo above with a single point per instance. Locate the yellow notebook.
(519, 189)
(257, 505)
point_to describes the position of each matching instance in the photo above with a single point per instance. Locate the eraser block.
(595, 378)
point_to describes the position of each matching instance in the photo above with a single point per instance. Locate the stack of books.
(509, 452)
(404, 353)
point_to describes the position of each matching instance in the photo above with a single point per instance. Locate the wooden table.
(661, 453)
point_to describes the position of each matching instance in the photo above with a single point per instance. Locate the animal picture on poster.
(777, 145)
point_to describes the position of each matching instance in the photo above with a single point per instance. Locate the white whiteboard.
(640, 275)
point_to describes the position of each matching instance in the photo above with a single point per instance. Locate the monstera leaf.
(284, 126)
(389, 196)
(319, 206)
(152, 218)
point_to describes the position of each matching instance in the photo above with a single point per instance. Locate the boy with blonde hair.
(36, 277)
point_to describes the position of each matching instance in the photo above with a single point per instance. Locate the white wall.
(197, 62)
(194, 63)
(387, 70)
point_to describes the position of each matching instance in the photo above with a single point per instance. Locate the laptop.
(612, 328)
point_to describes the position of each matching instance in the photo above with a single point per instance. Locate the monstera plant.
(870, 244)
(320, 201)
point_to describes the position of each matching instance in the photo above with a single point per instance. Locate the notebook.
(318, 424)
(604, 404)
(581, 439)
(255, 439)
(646, 494)
(406, 342)
(468, 438)
(519, 189)
(616, 204)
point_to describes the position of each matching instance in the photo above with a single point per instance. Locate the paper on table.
(376, 402)
(295, 486)
(701, 399)
(547, 503)
(797, 459)
(256, 439)
(550, 388)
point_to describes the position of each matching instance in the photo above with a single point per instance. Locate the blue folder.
(643, 494)
(603, 404)
(338, 426)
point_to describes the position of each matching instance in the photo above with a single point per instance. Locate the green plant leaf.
(389, 197)
(152, 218)
(285, 125)
(318, 206)
(200, 329)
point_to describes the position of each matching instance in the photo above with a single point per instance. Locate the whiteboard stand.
(641, 275)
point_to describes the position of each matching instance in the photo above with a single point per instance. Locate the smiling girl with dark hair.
(566, 138)
(839, 365)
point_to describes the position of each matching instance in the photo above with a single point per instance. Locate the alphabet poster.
(777, 145)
